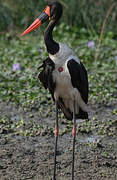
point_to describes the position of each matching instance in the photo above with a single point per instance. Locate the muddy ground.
(27, 145)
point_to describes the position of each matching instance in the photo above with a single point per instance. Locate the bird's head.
(53, 11)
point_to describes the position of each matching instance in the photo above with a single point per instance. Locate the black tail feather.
(68, 114)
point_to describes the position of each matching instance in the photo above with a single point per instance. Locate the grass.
(21, 127)
(22, 86)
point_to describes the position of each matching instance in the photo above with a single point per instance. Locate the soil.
(30, 156)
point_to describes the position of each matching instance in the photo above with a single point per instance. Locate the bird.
(63, 74)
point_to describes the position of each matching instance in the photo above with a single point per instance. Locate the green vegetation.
(21, 56)
(22, 86)
(86, 13)
(8, 126)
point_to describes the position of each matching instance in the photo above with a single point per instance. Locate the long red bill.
(41, 19)
(33, 26)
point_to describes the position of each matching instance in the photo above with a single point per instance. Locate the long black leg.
(56, 132)
(74, 139)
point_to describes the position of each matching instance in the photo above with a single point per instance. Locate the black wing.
(79, 80)
(45, 76)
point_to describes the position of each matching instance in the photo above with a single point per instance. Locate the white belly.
(64, 88)
(67, 92)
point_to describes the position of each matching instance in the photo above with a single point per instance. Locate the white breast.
(64, 86)
(64, 54)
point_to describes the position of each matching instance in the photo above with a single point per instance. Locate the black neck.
(51, 45)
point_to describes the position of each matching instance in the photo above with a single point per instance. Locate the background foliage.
(21, 56)
(81, 13)
(87, 30)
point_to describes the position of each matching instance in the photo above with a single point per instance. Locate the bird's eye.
(53, 10)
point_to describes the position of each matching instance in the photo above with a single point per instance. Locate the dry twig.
(102, 30)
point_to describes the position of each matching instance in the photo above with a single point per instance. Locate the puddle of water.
(86, 139)
(79, 120)
(90, 139)
(16, 118)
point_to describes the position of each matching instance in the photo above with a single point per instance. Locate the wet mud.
(27, 145)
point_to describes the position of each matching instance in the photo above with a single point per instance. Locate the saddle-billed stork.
(63, 74)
